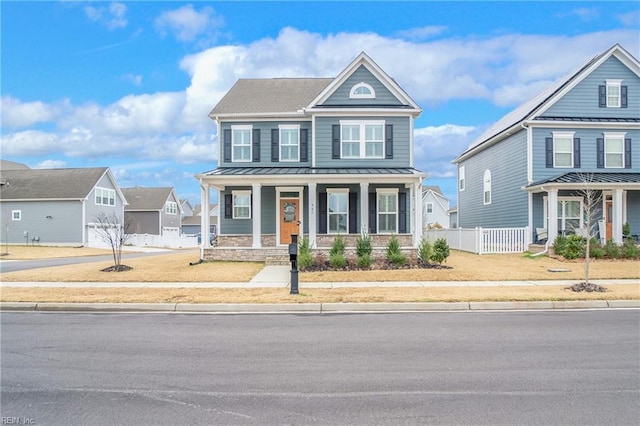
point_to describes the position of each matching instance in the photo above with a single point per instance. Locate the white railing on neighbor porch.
(166, 241)
(484, 240)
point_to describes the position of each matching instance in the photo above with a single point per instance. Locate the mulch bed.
(117, 268)
(381, 264)
(583, 286)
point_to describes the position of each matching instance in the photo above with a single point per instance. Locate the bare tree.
(591, 198)
(114, 233)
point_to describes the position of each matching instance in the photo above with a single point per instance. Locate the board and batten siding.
(582, 100)
(362, 75)
(54, 222)
(507, 162)
(401, 143)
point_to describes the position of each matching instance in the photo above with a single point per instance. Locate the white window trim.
(609, 136)
(486, 187)
(565, 198)
(428, 208)
(362, 140)
(282, 127)
(233, 144)
(233, 204)
(337, 191)
(13, 215)
(380, 191)
(461, 178)
(354, 95)
(618, 84)
(569, 135)
(111, 195)
(171, 208)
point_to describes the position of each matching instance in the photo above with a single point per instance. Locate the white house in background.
(435, 207)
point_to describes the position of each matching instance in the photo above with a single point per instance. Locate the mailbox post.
(293, 257)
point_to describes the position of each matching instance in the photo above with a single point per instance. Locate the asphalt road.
(551, 368)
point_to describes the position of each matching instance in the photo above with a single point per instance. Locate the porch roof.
(600, 180)
(262, 171)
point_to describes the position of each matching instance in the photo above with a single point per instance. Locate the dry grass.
(16, 252)
(266, 295)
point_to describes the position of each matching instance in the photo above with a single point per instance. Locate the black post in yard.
(293, 257)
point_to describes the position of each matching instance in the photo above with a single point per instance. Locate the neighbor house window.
(241, 204)
(387, 211)
(613, 93)
(563, 149)
(16, 214)
(171, 207)
(486, 186)
(429, 207)
(105, 197)
(241, 143)
(338, 210)
(614, 150)
(289, 143)
(461, 178)
(362, 91)
(362, 139)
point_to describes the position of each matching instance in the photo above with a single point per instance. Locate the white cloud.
(188, 24)
(630, 19)
(422, 33)
(112, 16)
(435, 147)
(51, 164)
(135, 79)
(18, 114)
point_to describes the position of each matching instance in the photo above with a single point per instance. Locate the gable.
(341, 95)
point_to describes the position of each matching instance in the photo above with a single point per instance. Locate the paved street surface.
(559, 367)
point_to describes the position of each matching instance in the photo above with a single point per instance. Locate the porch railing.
(484, 240)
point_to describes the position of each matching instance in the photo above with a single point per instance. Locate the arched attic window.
(362, 91)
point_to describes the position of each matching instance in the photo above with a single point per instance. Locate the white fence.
(168, 241)
(484, 240)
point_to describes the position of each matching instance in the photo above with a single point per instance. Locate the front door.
(608, 217)
(289, 219)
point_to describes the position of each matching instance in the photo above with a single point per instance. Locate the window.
(338, 210)
(171, 207)
(486, 186)
(363, 139)
(429, 208)
(289, 143)
(387, 211)
(241, 204)
(241, 143)
(614, 150)
(461, 178)
(613, 93)
(362, 91)
(105, 197)
(563, 149)
(569, 217)
(16, 214)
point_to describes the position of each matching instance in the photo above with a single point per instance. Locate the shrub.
(612, 250)
(393, 246)
(559, 244)
(574, 248)
(337, 260)
(630, 250)
(338, 246)
(595, 249)
(440, 251)
(626, 231)
(398, 259)
(424, 251)
(305, 257)
(364, 261)
(363, 245)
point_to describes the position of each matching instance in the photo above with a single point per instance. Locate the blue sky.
(129, 85)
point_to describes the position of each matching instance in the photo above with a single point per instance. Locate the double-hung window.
(241, 204)
(461, 181)
(338, 210)
(613, 93)
(387, 211)
(429, 208)
(563, 149)
(614, 150)
(105, 197)
(171, 207)
(241, 143)
(289, 143)
(362, 139)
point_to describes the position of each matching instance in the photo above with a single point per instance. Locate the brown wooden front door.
(289, 219)
(608, 217)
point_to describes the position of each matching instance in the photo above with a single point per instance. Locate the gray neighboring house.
(56, 206)
(192, 224)
(153, 211)
(186, 208)
(525, 169)
(436, 207)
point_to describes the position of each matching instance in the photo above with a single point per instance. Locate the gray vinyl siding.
(268, 210)
(265, 144)
(93, 209)
(230, 226)
(508, 165)
(401, 143)
(142, 222)
(582, 100)
(64, 226)
(588, 154)
(170, 220)
(633, 211)
(362, 75)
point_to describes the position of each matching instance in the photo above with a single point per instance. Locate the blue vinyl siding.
(268, 208)
(633, 211)
(582, 100)
(237, 226)
(508, 165)
(362, 75)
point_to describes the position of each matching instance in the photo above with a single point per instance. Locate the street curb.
(249, 307)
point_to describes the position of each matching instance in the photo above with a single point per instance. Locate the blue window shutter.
(623, 96)
(602, 96)
(256, 145)
(627, 153)
(373, 201)
(549, 152)
(304, 144)
(600, 152)
(353, 212)
(576, 153)
(388, 141)
(335, 141)
(226, 141)
(275, 145)
(228, 206)
(322, 213)
(402, 212)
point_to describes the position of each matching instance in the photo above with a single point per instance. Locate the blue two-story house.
(316, 157)
(528, 168)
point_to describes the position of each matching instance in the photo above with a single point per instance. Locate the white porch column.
(616, 223)
(418, 231)
(364, 206)
(256, 215)
(313, 221)
(205, 219)
(552, 210)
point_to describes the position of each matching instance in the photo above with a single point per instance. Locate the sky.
(129, 85)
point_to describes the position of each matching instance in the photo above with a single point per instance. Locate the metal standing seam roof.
(142, 198)
(280, 171)
(596, 177)
(40, 184)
